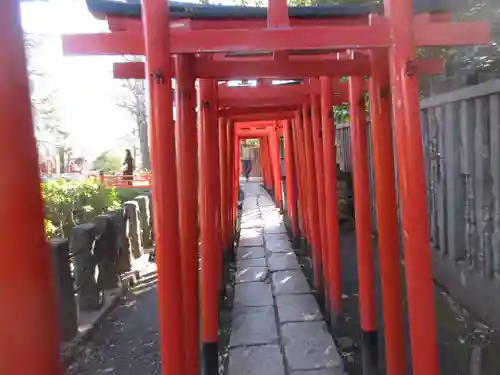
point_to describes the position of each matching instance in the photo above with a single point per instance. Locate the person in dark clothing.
(128, 167)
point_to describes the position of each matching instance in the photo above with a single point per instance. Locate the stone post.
(125, 258)
(106, 252)
(68, 313)
(150, 196)
(145, 220)
(133, 229)
(82, 246)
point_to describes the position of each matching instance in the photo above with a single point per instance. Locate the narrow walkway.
(128, 342)
(277, 326)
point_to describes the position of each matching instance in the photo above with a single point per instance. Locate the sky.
(88, 91)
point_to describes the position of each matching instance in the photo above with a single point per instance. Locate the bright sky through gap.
(88, 91)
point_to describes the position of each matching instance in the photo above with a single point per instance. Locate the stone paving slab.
(251, 212)
(253, 217)
(272, 214)
(283, 262)
(271, 220)
(256, 360)
(252, 232)
(279, 247)
(280, 228)
(251, 274)
(251, 252)
(253, 326)
(253, 294)
(268, 211)
(252, 224)
(251, 241)
(252, 200)
(298, 308)
(265, 201)
(290, 282)
(309, 346)
(252, 262)
(330, 371)
(277, 243)
(276, 237)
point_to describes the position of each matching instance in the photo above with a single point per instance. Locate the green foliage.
(124, 195)
(341, 113)
(68, 203)
(253, 142)
(374, 3)
(107, 162)
(50, 229)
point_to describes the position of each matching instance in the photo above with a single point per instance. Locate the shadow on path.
(127, 343)
(466, 346)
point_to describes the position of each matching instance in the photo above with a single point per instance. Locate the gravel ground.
(128, 341)
(465, 345)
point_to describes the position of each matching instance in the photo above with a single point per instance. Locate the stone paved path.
(277, 327)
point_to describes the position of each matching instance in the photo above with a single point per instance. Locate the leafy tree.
(42, 94)
(253, 142)
(134, 101)
(107, 162)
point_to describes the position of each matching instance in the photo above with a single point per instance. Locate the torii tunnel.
(201, 47)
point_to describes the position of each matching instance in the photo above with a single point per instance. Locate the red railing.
(139, 180)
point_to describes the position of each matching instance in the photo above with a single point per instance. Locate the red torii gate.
(268, 132)
(391, 40)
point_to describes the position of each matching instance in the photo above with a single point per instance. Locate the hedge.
(68, 203)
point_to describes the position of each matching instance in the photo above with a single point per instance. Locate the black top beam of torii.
(132, 9)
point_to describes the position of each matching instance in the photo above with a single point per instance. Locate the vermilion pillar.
(229, 185)
(320, 187)
(297, 140)
(209, 225)
(263, 162)
(158, 65)
(291, 183)
(214, 113)
(331, 198)
(387, 220)
(236, 175)
(312, 193)
(223, 181)
(187, 169)
(412, 189)
(29, 323)
(266, 165)
(362, 209)
(269, 168)
(274, 148)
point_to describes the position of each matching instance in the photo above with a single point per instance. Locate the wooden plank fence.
(461, 143)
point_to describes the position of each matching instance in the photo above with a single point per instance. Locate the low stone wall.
(96, 258)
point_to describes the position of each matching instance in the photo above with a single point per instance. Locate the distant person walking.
(246, 159)
(128, 167)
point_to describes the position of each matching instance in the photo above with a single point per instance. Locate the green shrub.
(50, 229)
(68, 203)
(125, 195)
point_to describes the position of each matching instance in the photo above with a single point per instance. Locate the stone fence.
(461, 144)
(97, 258)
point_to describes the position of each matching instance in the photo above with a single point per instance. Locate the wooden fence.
(461, 143)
